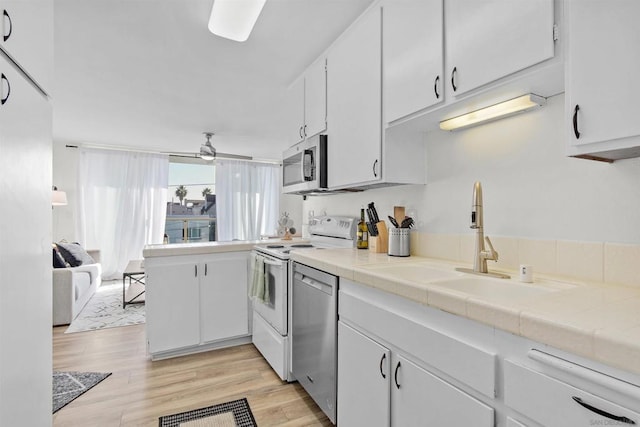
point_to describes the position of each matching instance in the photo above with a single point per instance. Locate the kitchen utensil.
(407, 222)
(399, 213)
(374, 230)
(399, 242)
(375, 219)
(393, 221)
(369, 228)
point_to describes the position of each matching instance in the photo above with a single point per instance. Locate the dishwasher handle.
(323, 287)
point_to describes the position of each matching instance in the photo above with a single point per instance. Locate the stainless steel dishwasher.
(314, 339)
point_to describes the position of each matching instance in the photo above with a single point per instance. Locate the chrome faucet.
(481, 255)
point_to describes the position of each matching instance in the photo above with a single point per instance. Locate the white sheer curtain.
(248, 199)
(122, 199)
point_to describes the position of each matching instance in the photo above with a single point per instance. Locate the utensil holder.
(399, 242)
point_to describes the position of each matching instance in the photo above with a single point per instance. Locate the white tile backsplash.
(595, 262)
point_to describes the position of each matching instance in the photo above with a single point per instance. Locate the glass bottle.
(362, 241)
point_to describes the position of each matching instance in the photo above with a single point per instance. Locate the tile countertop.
(203, 248)
(601, 322)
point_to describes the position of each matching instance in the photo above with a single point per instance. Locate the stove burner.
(275, 246)
(302, 245)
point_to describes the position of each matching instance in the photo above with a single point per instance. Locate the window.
(191, 205)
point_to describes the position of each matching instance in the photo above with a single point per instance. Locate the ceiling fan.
(209, 153)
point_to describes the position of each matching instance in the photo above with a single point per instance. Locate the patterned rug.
(104, 310)
(67, 386)
(231, 414)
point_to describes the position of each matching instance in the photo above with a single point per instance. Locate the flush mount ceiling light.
(234, 19)
(207, 152)
(494, 112)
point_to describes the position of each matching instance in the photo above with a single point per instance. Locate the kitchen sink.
(487, 287)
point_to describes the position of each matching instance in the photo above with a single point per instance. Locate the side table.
(135, 273)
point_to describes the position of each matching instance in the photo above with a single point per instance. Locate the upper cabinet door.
(27, 37)
(315, 98)
(490, 39)
(295, 108)
(412, 56)
(354, 104)
(602, 72)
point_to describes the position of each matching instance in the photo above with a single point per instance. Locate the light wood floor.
(140, 391)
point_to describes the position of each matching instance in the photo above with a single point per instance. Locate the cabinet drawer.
(412, 333)
(551, 402)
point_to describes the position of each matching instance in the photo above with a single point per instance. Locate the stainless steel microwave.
(304, 166)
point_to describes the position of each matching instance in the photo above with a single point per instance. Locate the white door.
(420, 398)
(315, 98)
(412, 56)
(224, 304)
(354, 104)
(274, 310)
(26, 27)
(295, 111)
(173, 314)
(602, 70)
(490, 39)
(363, 380)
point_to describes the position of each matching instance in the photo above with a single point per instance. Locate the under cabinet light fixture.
(494, 112)
(234, 19)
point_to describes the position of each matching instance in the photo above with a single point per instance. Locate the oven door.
(274, 311)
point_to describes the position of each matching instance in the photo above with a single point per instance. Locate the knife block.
(379, 243)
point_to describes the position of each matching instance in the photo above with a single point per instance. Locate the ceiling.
(148, 74)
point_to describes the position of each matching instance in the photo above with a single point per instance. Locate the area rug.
(67, 386)
(104, 310)
(231, 414)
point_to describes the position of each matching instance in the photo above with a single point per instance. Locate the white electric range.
(272, 317)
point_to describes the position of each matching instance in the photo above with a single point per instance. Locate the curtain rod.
(222, 156)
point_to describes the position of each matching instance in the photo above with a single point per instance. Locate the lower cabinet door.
(173, 317)
(224, 305)
(419, 398)
(363, 380)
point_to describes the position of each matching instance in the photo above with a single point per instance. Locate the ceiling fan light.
(234, 19)
(207, 151)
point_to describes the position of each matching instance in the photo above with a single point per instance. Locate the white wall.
(530, 188)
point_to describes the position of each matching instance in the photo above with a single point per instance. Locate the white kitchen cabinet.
(420, 398)
(489, 40)
(412, 39)
(307, 103)
(27, 26)
(378, 387)
(601, 79)
(25, 256)
(172, 314)
(195, 302)
(555, 403)
(223, 297)
(354, 103)
(363, 380)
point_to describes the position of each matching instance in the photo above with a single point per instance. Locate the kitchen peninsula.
(196, 296)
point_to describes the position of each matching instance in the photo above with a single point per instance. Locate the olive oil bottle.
(362, 241)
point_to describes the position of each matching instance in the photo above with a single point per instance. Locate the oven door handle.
(274, 263)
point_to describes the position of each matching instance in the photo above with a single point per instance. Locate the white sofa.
(73, 287)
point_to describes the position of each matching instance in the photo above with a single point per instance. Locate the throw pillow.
(74, 254)
(58, 259)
